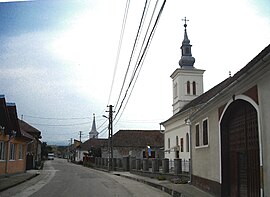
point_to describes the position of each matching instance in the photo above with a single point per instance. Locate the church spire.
(93, 133)
(186, 61)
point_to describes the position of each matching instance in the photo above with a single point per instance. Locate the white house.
(187, 84)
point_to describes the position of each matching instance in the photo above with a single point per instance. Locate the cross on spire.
(185, 19)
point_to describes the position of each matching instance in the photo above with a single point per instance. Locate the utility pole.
(80, 145)
(110, 138)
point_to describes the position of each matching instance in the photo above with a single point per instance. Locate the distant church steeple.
(186, 61)
(93, 133)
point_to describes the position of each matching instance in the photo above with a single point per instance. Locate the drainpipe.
(187, 121)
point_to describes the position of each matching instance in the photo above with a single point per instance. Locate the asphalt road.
(60, 178)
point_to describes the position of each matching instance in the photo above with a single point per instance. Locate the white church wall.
(175, 132)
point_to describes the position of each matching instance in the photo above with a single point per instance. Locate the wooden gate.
(240, 151)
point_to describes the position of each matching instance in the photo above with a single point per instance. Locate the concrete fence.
(150, 167)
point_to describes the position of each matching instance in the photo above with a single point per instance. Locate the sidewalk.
(176, 190)
(13, 180)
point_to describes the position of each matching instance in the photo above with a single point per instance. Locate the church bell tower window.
(188, 87)
(194, 87)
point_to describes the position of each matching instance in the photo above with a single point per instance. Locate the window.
(169, 145)
(187, 142)
(12, 152)
(20, 151)
(182, 144)
(205, 132)
(2, 150)
(188, 87)
(197, 140)
(194, 87)
(177, 144)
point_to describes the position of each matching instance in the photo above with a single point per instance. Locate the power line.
(119, 46)
(134, 72)
(60, 125)
(132, 52)
(142, 57)
(48, 118)
(102, 124)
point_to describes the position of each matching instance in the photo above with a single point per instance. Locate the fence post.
(119, 163)
(114, 164)
(177, 166)
(145, 164)
(165, 165)
(138, 164)
(132, 163)
(155, 165)
(126, 163)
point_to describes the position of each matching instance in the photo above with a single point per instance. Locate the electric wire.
(60, 125)
(102, 124)
(48, 118)
(143, 55)
(119, 46)
(132, 52)
(135, 68)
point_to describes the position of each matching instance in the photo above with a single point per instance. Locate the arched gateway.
(240, 154)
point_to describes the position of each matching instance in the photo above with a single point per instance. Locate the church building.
(187, 84)
(224, 131)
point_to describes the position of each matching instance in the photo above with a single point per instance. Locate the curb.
(18, 182)
(172, 192)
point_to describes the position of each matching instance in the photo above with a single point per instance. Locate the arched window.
(194, 87)
(188, 87)
(187, 142)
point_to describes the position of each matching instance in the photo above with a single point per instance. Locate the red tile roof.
(138, 138)
(29, 129)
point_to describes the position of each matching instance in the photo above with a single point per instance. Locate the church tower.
(187, 80)
(93, 133)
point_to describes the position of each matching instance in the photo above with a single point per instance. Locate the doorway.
(240, 154)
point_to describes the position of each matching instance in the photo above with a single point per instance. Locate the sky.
(58, 58)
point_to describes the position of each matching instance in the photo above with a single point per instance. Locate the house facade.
(230, 133)
(13, 141)
(187, 84)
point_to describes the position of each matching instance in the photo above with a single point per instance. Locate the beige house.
(230, 133)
